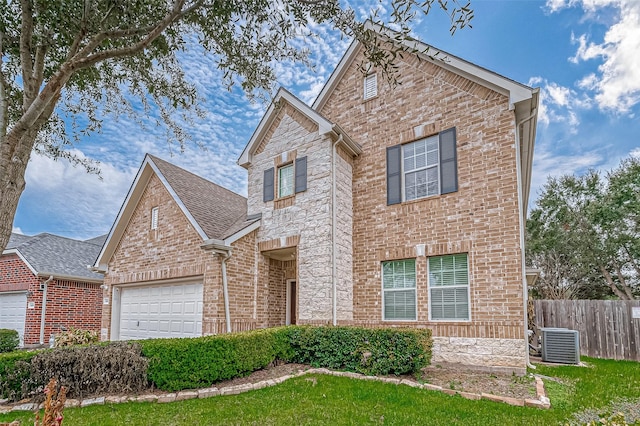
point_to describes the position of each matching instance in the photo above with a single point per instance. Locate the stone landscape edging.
(541, 400)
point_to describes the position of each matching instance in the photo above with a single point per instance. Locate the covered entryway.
(13, 312)
(155, 311)
(282, 295)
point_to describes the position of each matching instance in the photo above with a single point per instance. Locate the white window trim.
(154, 218)
(449, 286)
(293, 180)
(415, 289)
(403, 173)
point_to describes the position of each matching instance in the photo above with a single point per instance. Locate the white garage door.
(154, 311)
(13, 312)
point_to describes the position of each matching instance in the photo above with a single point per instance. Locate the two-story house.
(375, 206)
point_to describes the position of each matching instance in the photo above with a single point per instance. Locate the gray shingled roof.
(218, 211)
(58, 256)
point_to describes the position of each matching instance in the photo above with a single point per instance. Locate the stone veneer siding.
(308, 216)
(481, 218)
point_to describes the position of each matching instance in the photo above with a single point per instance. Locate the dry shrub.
(76, 336)
(53, 405)
(93, 370)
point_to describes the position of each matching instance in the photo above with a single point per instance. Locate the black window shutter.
(267, 189)
(394, 177)
(301, 174)
(448, 161)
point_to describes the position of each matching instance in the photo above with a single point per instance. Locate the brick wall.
(169, 252)
(480, 219)
(69, 303)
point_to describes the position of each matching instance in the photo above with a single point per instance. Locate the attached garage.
(155, 311)
(13, 311)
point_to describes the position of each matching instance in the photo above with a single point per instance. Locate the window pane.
(421, 168)
(399, 286)
(449, 287)
(285, 180)
(400, 305)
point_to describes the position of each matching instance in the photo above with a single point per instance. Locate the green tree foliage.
(584, 235)
(70, 58)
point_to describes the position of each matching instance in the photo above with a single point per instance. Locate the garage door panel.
(13, 312)
(173, 310)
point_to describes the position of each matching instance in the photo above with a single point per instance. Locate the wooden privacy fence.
(607, 327)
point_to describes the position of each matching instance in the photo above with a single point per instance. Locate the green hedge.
(9, 340)
(362, 350)
(15, 372)
(187, 363)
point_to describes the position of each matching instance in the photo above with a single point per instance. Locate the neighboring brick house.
(375, 206)
(46, 286)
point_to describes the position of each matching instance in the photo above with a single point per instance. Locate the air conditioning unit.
(560, 345)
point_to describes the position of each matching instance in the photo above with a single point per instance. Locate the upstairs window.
(370, 86)
(421, 175)
(154, 218)
(422, 168)
(285, 180)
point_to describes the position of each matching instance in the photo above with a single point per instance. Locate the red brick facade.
(69, 303)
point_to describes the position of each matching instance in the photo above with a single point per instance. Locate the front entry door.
(291, 302)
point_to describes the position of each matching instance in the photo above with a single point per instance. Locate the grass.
(320, 399)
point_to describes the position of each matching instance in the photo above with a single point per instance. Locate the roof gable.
(283, 96)
(211, 209)
(523, 100)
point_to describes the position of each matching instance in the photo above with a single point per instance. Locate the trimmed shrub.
(188, 363)
(76, 336)
(90, 370)
(9, 340)
(15, 370)
(362, 350)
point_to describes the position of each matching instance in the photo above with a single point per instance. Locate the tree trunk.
(12, 182)
(621, 295)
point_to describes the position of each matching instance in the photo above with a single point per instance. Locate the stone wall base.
(500, 355)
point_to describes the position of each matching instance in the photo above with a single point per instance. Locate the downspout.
(219, 248)
(334, 227)
(521, 210)
(225, 291)
(43, 314)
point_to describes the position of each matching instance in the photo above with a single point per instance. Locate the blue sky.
(583, 54)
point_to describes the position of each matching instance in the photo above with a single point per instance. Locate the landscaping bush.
(9, 340)
(90, 370)
(76, 336)
(362, 350)
(187, 363)
(15, 370)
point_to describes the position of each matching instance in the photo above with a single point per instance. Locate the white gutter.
(334, 209)
(521, 208)
(219, 248)
(44, 308)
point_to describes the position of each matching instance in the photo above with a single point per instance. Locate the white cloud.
(559, 104)
(17, 230)
(616, 85)
(82, 204)
(635, 153)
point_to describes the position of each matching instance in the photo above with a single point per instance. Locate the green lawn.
(320, 399)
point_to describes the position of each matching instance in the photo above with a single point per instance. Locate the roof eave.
(66, 277)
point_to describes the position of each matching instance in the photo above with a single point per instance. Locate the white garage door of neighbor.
(155, 311)
(13, 312)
